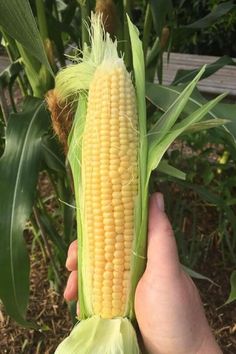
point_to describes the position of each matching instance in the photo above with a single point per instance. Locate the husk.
(93, 334)
(101, 336)
(104, 52)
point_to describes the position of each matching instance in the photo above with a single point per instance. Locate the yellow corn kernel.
(110, 184)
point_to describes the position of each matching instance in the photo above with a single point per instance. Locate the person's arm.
(167, 303)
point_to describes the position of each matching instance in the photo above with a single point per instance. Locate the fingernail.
(67, 291)
(160, 201)
(67, 262)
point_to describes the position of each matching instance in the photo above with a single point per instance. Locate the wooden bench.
(221, 81)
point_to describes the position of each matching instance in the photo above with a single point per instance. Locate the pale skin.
(168, 307)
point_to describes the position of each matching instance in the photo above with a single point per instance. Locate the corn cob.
(109, 181)
(104, 153)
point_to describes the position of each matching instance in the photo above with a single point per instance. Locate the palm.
(170, 311)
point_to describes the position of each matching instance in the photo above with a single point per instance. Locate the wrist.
(209, 346)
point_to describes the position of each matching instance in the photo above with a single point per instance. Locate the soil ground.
(50, 311)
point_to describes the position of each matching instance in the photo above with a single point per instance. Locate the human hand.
(167, 303)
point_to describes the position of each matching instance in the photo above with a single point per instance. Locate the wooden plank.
(224, 80)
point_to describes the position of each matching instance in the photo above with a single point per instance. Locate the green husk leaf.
(93, 334)
(101, 336)
(139, 248)
(75, 159)
(67, 85)
(76, 78)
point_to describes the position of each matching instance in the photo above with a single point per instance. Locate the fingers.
(71, 290)
(162, 252)
(71, 262)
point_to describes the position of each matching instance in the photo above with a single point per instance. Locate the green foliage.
(211, 181)
(17, 20)
(19, 167)
(216, 39)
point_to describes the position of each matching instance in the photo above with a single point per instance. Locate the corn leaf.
(19, 167)
(39, 77)
(213, 16)
(196, 275)
(201, 112)
(207, 124)
(228, 112)
(163, 97)
(169, 170)
(158, 147)
(165, 123)
(232, 295)
(183, 76)
(16, 18)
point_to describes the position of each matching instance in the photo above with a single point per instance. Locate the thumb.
(162, 254)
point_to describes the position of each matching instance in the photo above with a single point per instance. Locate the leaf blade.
(183, 76)
(232, 295)
(17, 19)
(17, 187)
(213, 16)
